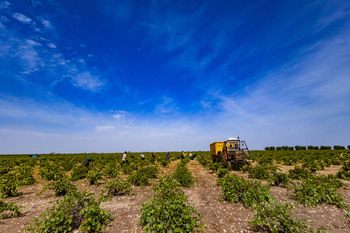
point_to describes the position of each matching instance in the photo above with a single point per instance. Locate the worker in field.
(182, 155)
(168, 156)
(153, 158)
(88, 161)
(124, 158)
(142, 157)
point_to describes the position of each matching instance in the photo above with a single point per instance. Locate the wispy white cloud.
(167, 105)
(22, 18)
(5, 4)
(88, 81)
(51, 45)
(46, 24)
(29, 55)
(120, 115)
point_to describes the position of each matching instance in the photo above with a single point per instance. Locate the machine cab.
(233, 144)
(236, 149)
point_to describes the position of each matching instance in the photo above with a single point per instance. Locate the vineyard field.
(281, 191)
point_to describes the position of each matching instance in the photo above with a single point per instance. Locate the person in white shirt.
(142, 157)
(124, 157)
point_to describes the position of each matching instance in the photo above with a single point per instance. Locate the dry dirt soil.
(217, 215)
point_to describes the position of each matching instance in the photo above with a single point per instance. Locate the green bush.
(258, 172)
(279, 178)
(79, 173)
(61, 187)
(9, 185)
(215, 166)
(275, 217)
(315, 190)
(237, 189)
(95, 219)
(25, 175)
(299, 173)
(184, 176)
(127, 169)
(112, 171)
(142, 176)
(116, 187)
(168, 210)
(221, 172)
(51, 172)
(93, 177)
(344, 172)
(202, 159)
(11, 210)
(185, 160)
(75, 211)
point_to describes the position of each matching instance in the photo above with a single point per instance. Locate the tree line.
(335, 147)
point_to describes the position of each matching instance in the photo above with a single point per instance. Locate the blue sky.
(109, 76)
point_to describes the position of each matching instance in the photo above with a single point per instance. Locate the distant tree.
(297, 147)
(303, 147)
(337, 147)
(270, 148)
(349, 147)
(278, 148)
(326, 148)
(290, 148)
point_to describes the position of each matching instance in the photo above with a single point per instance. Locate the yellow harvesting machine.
(230, 153)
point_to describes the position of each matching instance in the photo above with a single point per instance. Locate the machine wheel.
(229, 165)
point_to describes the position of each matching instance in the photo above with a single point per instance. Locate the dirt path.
(218, 216)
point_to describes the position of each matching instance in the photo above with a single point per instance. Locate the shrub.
(51, 172)
(184, 176)
(112, 171)
(279, 178)
(203, 160)
(237, 189)
(313, 166)
(215, 166)
(9, 185)
(11, 210)
(246, 168)
(168, 210)
(185, 160)
(93, 177)
(143, 175)
(275, 217)
(117, 187)
(75, 211)
(61, 187)
(79, 172)
(95, 219)
(127, 169)
(299, 173)
(25, 175)
(221, 172)
(344, 172)
(258, 172)
(316, 190)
